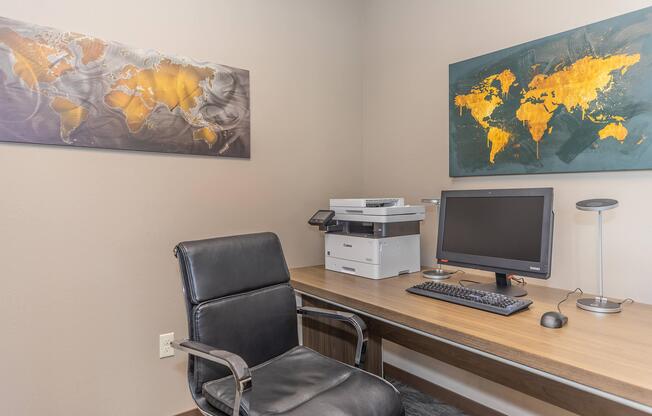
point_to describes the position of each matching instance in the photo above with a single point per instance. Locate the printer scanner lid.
(368, 202)
(376, 210)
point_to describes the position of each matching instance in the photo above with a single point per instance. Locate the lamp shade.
(599, 204)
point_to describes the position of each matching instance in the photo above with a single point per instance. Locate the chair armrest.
(234, 362)
(348, 317)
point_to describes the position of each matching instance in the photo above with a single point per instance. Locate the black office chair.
(244, 353)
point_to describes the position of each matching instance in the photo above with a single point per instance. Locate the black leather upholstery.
(238, 299)
(256, 325)
(303, 382)
(223, 266)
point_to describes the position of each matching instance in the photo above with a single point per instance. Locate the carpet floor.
(417, 403)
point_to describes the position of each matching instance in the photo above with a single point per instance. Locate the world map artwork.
(65, 88)
(577, 101)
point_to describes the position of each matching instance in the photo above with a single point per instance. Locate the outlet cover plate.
(165, 345)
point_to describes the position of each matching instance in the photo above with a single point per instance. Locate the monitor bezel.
(539, 269)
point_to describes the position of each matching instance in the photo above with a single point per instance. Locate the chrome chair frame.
(238, 366)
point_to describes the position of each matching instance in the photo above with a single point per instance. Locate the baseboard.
(193, 412)
(465, 404)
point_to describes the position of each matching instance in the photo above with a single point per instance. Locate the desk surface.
(612, 353)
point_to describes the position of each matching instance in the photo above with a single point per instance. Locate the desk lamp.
(438, 273)
(599, 304)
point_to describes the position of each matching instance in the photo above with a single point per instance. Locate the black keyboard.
(479, 299)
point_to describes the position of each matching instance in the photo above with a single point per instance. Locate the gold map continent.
(615, 130)
(482, 101)
(138, 91)
(70, 114)
(33, 58)
(38, 60)
(44, 61)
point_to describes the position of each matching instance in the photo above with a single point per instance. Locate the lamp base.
(437, 274)
(600, 305)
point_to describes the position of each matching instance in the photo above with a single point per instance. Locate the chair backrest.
(238, 299)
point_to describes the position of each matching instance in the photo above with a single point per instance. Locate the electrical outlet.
(165, 345)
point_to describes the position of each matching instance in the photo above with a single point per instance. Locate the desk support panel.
(338, 340)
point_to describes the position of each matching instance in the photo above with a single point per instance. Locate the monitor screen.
(505, 227)
(507, 231)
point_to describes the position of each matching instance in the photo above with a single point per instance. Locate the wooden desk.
(596, 364)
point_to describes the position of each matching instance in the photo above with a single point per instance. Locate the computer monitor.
(506, 231)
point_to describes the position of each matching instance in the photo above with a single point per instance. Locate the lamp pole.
(439, 273)
(598, 304)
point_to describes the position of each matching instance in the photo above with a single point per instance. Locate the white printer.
(374, 237)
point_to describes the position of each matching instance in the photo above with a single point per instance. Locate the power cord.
(566, 298)
(520, 280)
(458, 271)
(623, 302)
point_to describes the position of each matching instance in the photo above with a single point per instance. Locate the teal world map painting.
(578, 101)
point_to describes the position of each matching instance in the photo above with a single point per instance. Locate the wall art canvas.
(577, 101)
(64, 88)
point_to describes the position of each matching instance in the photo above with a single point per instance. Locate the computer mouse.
(553, 320)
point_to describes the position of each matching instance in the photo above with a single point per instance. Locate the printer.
(371, 237)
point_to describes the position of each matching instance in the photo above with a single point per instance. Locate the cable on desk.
(566, 298)
(623, 302)
(520, 280)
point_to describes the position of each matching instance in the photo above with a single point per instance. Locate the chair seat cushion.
(304, 382)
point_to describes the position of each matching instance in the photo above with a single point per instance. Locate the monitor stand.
(503, 286)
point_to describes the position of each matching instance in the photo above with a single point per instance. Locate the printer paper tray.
(371, 271)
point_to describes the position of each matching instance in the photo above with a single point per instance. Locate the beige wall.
(405, 139)
(407, 48)
(87, 277)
